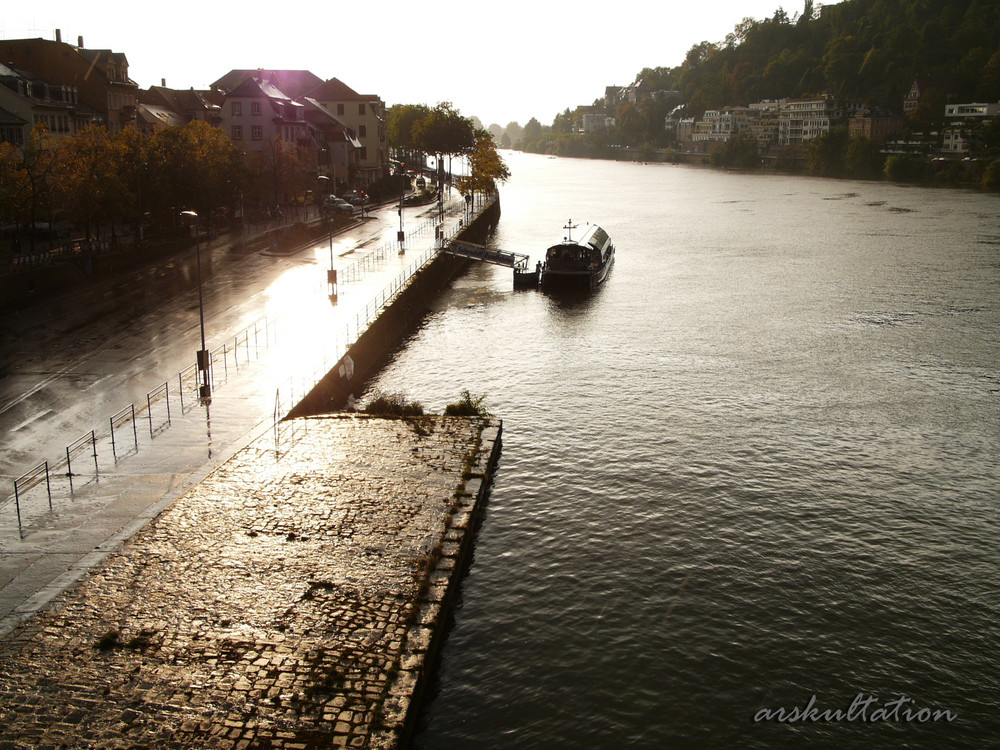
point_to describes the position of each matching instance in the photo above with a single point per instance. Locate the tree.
(197, 166)
(563, 123)
(88, 181)
(739, 34)
(899, 168)
(739, 152)
(444, 132)
(14, 186)
(277, 172)
(403, 119)
(513, 131)
(486, 166)
(807, 13)
(864, 158)
(532, 130)
(40, 168)
(929, 113)
(828, 153)
(131, 149)
(991, 177)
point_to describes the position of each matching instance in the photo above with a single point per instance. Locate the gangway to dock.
(523, 278)
(483, 253)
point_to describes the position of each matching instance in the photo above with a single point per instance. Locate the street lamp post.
(138, 185)
(204, 362)
(331, 274)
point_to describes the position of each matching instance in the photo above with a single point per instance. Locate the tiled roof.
(336, 90)
(294, 83)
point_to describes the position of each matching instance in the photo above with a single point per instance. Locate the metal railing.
(247, 346)
(28, 480)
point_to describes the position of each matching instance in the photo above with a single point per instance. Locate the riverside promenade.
(239, 580)
(294, 598)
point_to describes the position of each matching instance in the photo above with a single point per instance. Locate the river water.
(757, 468)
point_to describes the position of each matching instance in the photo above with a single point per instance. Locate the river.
(753, 477)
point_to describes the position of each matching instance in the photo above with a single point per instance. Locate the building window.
(361, 108)
(340, 109)
(364, 153)
(257, 133)
(255, 108)
(237, 109)
(362, 131)
(237, 132)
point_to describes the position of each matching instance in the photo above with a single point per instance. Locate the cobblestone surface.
(287, 601)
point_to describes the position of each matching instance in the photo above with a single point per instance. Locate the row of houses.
(781, 123)
(68, 88)
(785, 124)
(789, 123)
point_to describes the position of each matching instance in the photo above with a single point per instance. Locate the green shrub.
(393, 405)
(467, 407)
(991, 177)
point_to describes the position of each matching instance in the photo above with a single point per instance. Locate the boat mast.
(570, 226)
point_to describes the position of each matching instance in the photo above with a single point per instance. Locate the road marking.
(29, 420)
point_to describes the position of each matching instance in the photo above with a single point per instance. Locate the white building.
(974, 111)
(257, 112)
(366, 117)
(597, 123)
(720, 125)
(801, 120)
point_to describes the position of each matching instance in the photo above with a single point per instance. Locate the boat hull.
(576, 280)
(580, 265)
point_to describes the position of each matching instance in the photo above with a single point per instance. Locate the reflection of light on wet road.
(306, 339)
(270, 327)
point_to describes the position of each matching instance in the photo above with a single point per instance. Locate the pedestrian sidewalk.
(95, 514)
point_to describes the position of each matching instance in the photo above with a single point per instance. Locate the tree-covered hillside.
(870, 50)
(859, 52)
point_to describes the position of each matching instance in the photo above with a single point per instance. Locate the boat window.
(599, 238)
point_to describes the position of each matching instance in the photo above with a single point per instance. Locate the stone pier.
(293, 599)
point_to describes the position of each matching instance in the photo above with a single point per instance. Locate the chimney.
(79, 42)
(59, 35)
(163, 83)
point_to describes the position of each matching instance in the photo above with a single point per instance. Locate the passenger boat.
(578, 264)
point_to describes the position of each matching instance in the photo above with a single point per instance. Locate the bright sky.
(497, 61)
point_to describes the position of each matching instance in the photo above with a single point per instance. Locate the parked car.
(355, 198)
(341, 206)
(333, 203)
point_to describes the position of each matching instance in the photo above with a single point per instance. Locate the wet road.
(82, 361)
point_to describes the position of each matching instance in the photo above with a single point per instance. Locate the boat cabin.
(589, 250)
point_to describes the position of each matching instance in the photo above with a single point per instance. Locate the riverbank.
(981, 173)
(292, 599)
(368, 353)
(389, 506)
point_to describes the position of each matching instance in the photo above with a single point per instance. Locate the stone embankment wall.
(293, 599)
(377, 342)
